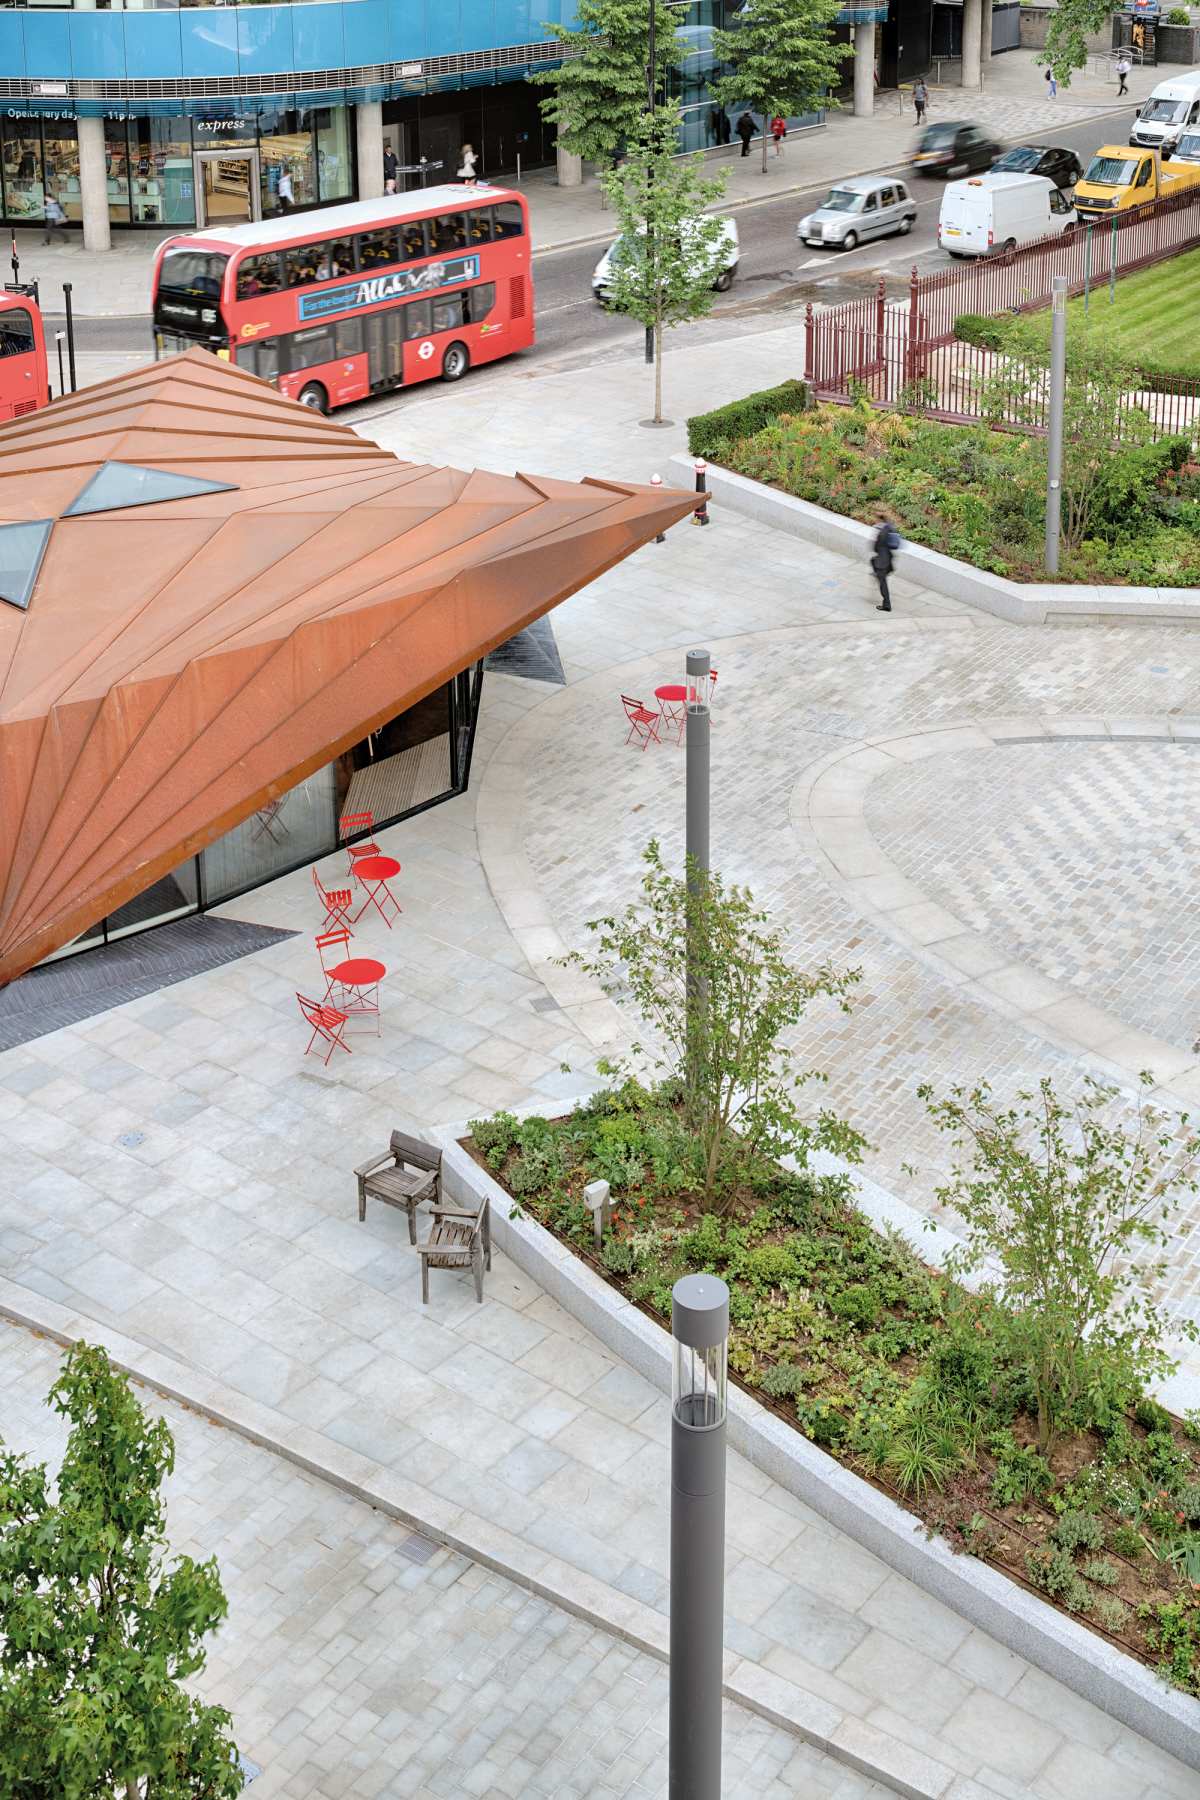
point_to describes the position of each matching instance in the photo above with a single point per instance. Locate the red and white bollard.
(700, 516)
(656, 482)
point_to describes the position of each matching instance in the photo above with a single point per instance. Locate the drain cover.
(131, 1139)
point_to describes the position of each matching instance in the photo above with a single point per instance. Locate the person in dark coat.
(883, 554)
(745, 130)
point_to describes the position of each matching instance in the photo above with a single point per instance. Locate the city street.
(776, 274)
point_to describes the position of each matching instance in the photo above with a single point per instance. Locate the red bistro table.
(672, 704)
(375, 872)
(358, 978)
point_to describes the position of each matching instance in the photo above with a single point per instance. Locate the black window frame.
(8, 317)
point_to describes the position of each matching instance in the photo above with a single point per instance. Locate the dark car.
(953, 149)
(1060, 166)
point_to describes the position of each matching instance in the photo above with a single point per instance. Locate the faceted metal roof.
(177, 662)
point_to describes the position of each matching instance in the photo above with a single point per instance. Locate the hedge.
(709, 432)
(985, 334)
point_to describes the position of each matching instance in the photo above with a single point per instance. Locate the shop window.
(378, 249)
(447, 234)
(261, 359)
(506, 219)
(331, 127)
(60, 166)
(116, 164)
(481, 300)
(163, 182)
(258, 275)
(285, 142)
(417, 319)
(348, 337)
(308, 348)
(22, 158)
(451, 311)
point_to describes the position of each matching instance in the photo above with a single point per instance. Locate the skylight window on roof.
(120, 484)
(21, 550)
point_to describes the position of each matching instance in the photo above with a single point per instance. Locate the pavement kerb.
(800, 187)
(846, 1739)
(1020, 603)
(1020, 1621)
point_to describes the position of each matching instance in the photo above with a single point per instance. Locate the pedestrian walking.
(920, 98)
(1052, 83)
(284, 192)
(745, 130)
(55, 218)
(1123, 67)
(391, 167)
(883, 554)
(779, 132)
(466, 165)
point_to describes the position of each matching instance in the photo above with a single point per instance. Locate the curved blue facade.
(256, 42)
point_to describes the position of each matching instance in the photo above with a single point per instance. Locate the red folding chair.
(336, 901)
(351, 982)
(327, 1023)
(348, 825)
(643, 724)
(268, 821)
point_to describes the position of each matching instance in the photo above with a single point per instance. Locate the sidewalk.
(173, 1171)
(1013, 105)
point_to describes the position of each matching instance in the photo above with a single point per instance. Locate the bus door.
(385, 349)
(22, 365)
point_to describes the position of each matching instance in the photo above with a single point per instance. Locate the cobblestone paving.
(1078, 859)
(359, 1659)
(779, 707)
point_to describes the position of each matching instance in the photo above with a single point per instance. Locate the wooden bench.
(415, 1175)
(460, 1238)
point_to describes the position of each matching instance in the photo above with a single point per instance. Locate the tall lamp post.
(700, 1334)
(1054, 428)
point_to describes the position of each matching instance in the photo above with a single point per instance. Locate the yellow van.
(1118, 179)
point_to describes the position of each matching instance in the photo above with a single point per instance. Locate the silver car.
(861, 207)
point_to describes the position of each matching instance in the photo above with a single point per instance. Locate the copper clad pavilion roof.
(167, 664)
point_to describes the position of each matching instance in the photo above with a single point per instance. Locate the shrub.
(1151, 1416)
(985, 334)
(1112, 1613)
(785, 1381)
(1101, 1571)
(1126, 1541)
(1019, 1472)
(1078, 1531)
(495, 1137)
(858, 1305)
(1178, 15)
(710, 432)
(1055, 1573)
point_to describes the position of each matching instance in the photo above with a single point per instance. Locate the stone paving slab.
(360, 1659)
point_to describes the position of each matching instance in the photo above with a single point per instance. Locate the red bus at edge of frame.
(24, 384)
(338, 304)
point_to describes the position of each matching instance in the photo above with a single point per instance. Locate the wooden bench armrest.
(369, 1168)
(455, 1212)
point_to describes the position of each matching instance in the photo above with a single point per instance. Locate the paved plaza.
(174, 1172)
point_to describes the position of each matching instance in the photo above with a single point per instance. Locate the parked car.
(726, 263)
(1060, 166)
(992, 213)
(1117, 180)
(954, 149)
(864, 206)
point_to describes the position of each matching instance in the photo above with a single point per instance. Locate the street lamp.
(1054, 429)
(700, 1347)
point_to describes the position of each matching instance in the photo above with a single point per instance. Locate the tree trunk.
(658, 372)
(132, 1790)
(766, 135)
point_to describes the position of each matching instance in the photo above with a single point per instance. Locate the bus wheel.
(456, 362)
(314, 397)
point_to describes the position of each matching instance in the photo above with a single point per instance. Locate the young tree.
(600, 92)
(95, 1635)
(669, 252)
(739, 1082)
(1072, 22)
(1061, 1198)
(781, 59)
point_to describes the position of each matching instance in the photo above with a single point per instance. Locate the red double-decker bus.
(23, 378)
(348, 301)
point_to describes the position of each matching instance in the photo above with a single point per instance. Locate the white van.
(988, 213)
(1171, 108)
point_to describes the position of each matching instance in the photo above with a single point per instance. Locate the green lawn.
(1154, 319)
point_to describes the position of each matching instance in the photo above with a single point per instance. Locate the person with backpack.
(920, 97)
(55, 218)
(883, 555)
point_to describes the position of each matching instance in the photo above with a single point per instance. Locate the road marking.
(814, 262)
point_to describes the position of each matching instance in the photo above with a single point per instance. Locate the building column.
(570, 168)
(864, 71)
(93, 184)
(368, 127)
(985, 34)
(971, 28)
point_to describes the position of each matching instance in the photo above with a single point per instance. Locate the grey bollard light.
(700, 1334)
